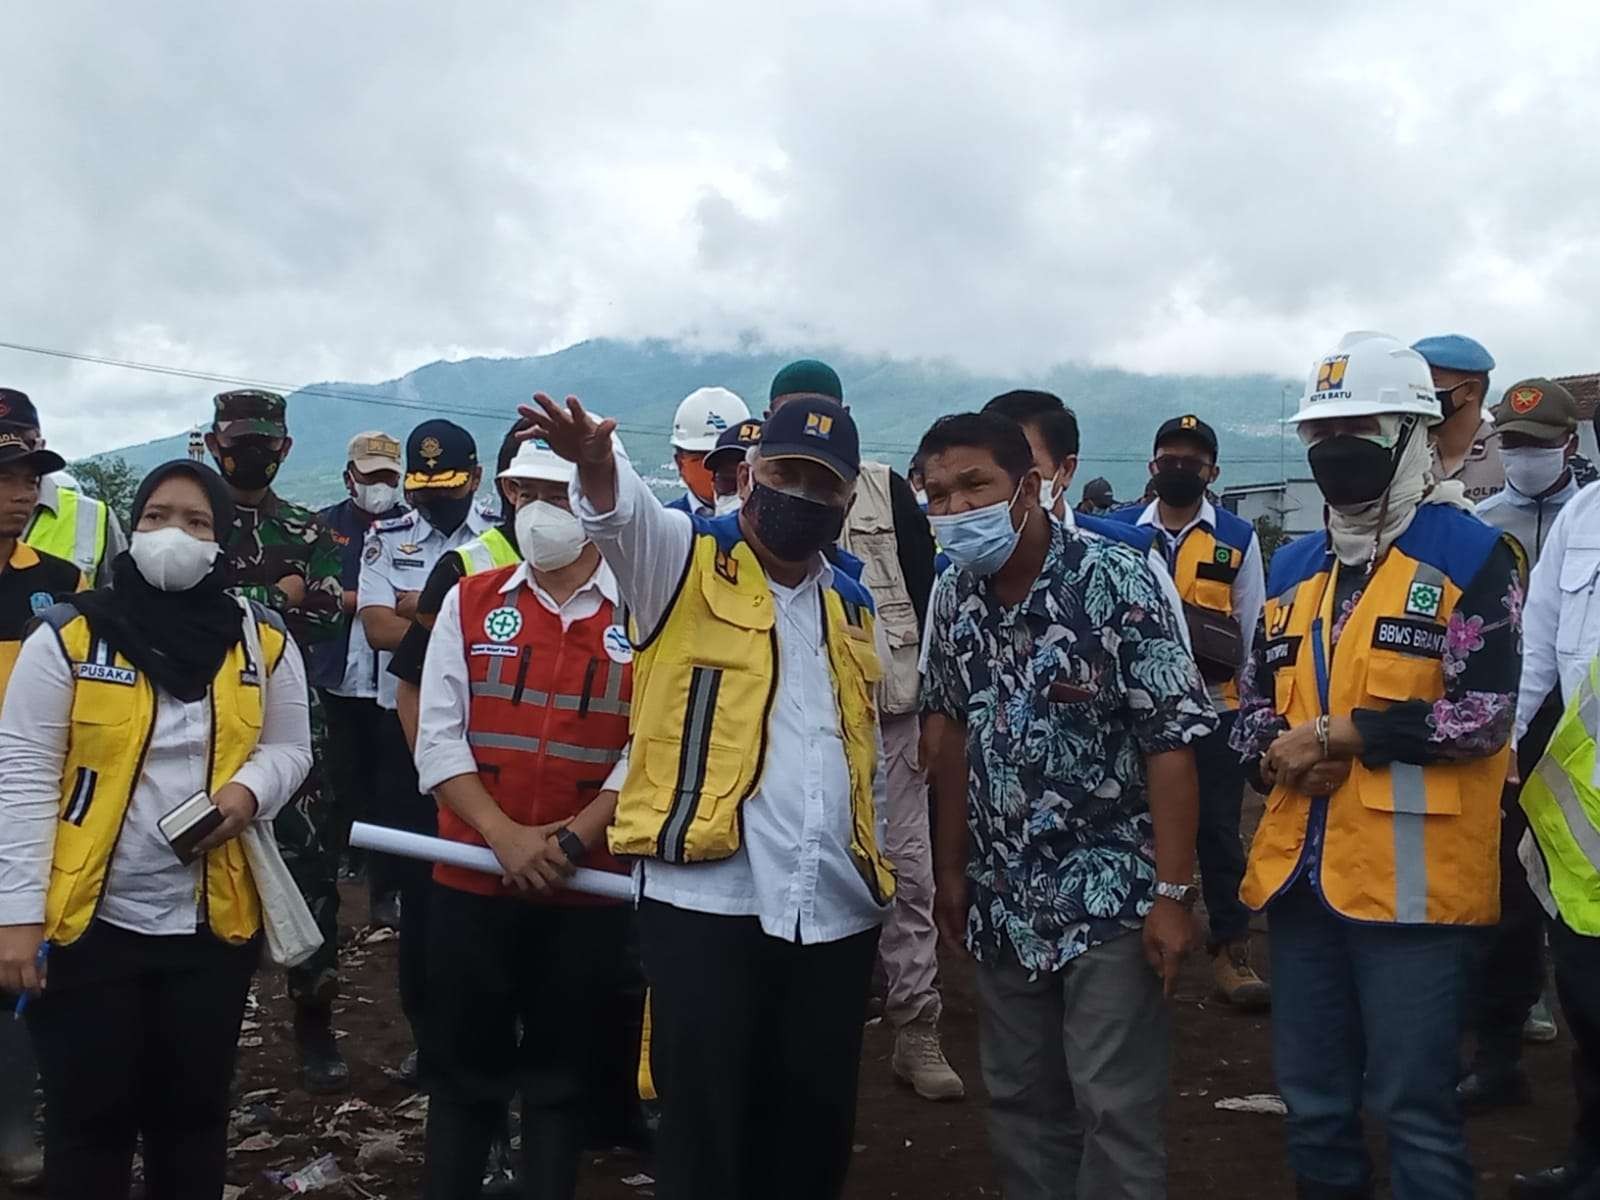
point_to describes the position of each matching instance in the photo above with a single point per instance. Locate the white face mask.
(171, 559)
(1049, 493)
(375, 498)
(728, 504)
(1533, 470)
(549, 537)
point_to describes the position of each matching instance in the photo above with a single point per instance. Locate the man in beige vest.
(887, 531)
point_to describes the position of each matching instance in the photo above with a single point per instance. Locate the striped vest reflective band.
(489, 550)
(1399, 844)
(706, 679)
(1563, 807)
(113, 717)
(548, 716)
(76, 531)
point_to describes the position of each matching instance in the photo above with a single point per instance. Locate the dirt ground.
(905, 1147)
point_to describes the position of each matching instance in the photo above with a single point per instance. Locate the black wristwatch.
(571, 845)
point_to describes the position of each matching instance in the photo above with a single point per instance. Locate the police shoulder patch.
(373, 552)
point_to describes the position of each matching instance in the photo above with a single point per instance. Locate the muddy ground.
(905, 1146)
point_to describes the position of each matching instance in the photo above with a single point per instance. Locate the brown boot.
(1237, 982)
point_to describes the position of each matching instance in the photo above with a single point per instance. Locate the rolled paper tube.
(476, 858)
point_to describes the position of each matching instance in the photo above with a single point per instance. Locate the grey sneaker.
(1541, 1023)
(920, 1062)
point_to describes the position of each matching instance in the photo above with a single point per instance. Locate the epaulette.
(403, 521)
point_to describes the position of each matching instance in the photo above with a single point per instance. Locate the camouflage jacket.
(277, 539)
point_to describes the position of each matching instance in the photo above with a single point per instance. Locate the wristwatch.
(1185, 894)
(571, 845)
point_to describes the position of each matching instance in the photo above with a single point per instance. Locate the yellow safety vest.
(1401, 844)
(488, 551)
(1563, 807)
(113, 717)
(76, 531)
(1204, 571)
(703, 686)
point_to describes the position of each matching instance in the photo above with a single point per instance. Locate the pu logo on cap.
(1330, 374)
(1525, 399)
(749, 431)
(1188, 422)
(819, 425)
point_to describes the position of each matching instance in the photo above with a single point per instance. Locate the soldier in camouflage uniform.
(281, 555)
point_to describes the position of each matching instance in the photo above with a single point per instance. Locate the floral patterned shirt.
(1482, 661)
(1063, 696)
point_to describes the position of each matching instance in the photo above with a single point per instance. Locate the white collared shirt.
(399, 555)
(1561, 618)
(1249, 591)
(793, 870)
(147, 889)
(443, 751)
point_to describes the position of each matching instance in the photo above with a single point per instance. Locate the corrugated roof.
(1585, 390)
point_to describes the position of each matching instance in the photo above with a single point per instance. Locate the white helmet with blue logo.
(705, 414)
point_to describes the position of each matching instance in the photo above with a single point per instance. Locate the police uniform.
(1480, 472)
(398, 556)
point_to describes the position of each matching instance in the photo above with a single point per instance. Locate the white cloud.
(309, 191)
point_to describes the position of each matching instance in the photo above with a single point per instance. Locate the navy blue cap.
(439, 454)
(1455, 352)
(1191, 427)
(16, 410)
(816, 429)
(738, 438)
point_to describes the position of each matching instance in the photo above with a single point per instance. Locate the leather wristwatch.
(571, 845)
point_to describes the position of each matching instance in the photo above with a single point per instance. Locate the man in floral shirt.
(1062, 703)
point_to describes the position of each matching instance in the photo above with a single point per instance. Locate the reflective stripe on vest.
(76, 531)
(112, 719)
(487, 552)
(1563, 807)
(1402, 844)
(705, 680)
(610, 702)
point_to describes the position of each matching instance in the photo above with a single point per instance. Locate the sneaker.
(323, 1070)
(409, 1072)
(22, 1170)
(919, 1061)
(1541, 1023)
(1237, 982)
(386, 911)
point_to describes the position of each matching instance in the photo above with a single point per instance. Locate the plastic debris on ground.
(313, 1177)
(1264, 1103)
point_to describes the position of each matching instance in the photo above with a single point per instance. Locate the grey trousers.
(1076, 1063)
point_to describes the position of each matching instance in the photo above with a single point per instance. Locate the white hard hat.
(535, 460)
(703, 416)
(1366, 375)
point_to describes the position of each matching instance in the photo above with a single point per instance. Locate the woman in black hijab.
(127, 705)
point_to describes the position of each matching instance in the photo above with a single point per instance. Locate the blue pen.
(39, 960)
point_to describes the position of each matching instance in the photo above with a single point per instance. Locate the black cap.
(816, 429)
(439, 454)
(1098, 491)
(736, 438)
(1191, 427)
(16, 410)
(18, 445)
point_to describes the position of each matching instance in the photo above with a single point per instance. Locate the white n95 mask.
(549, 536)
(171, 559)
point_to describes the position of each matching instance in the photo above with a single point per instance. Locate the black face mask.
(1351, 471)
(250, 463)
(792, 528)
(1447, 402)
(445, 513)
(1180, 488)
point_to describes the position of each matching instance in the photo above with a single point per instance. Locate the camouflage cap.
(251, 411)
(1537, 408)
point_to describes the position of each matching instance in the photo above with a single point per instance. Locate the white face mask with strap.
(549, 536)
(171, 559)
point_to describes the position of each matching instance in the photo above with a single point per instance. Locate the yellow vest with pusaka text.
(113, 718)
(489, 551)
(1563, 807)
(704, 682)
(1405, 843)
(76, 531)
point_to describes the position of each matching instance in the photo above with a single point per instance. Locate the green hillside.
(640, 384)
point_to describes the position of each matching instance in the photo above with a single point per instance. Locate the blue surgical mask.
(980, 540)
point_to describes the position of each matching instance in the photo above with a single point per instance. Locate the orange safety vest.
(548, 716)
(1402, 844)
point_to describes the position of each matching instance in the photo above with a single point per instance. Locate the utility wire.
(390, 401)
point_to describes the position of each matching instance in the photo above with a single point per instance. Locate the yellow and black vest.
(1403, 844)
(113, 717)
(704, 682)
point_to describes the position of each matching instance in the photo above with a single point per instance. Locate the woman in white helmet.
(1377, 710)
(703, 416)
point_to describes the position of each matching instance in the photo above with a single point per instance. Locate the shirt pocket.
(1395, 678)
(1578, 625)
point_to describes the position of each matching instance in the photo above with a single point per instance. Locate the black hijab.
(178, 639)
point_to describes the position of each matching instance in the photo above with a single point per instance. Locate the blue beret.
(1455, 352)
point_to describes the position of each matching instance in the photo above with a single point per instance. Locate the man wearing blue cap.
(1466, 446)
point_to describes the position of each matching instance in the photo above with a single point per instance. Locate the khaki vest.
(869, 535)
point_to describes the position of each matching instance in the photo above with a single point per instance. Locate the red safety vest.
(548, 717)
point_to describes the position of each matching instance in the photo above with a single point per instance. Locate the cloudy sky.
(347, 190)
